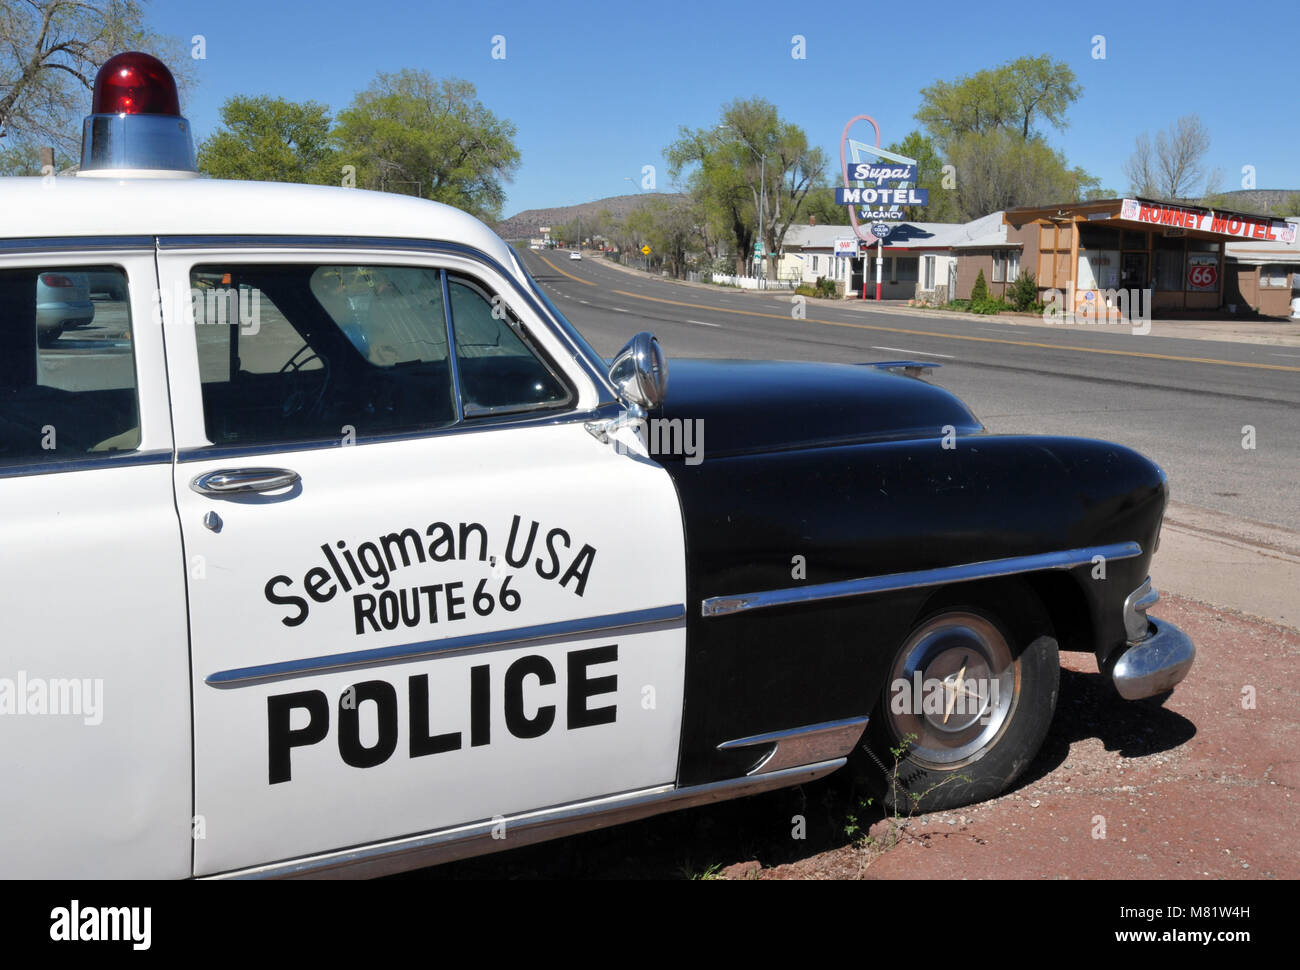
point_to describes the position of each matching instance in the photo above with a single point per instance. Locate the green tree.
(980, 291)
(1014, 97)
(409, 132)
(943, 205)
(717, 182)
(671, 227)
(49, 53)
(752, 161)
(987, 126)
(269, 139)
(998, 170)
(819, 204)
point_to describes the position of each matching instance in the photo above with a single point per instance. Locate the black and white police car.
(331, 546)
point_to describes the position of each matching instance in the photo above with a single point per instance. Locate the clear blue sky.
(597, 90)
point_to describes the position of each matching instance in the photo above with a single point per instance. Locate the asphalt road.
(1183, 402)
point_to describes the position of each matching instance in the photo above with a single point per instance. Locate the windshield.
(599, 364)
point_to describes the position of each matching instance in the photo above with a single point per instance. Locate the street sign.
(645, 250)
(881, 231)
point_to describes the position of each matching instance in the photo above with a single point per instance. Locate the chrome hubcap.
(952, 688)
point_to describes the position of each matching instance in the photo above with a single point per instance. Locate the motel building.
(1263, 277)
(1170, 255)
(922, 260)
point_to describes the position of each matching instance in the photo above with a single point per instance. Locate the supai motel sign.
(873, 190)
(1223, 224)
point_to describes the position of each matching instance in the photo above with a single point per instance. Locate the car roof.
(86, 206)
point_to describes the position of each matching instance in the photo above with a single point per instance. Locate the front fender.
(798, 518)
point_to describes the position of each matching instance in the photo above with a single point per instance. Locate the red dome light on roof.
(134, 83)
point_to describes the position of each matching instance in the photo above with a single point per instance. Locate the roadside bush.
(1023, 293)
(987, 305)
(826, 288)
(980, 291)
(804, 289)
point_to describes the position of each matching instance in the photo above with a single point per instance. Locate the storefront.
(1168, 259)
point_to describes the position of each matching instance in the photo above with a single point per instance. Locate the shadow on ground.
(836, 811)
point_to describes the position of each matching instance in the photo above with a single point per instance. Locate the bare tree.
(1174, 167)
(49, 53)
(1140, 168)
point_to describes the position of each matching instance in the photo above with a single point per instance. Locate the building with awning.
(1171, 255)
(1263, 277)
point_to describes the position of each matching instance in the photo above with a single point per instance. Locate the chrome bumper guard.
(1157, 656)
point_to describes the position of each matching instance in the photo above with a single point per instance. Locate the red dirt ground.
(1198, 785)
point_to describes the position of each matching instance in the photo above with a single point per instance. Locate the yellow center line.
(955, 336)
(563, 273)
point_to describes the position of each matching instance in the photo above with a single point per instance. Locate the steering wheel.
(296, 402)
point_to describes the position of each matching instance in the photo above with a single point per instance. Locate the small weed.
(713, 871)
(898, 821)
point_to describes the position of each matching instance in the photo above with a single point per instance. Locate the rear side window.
(304, 353)
(67, 373)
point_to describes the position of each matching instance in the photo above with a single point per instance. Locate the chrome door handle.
(237, 481)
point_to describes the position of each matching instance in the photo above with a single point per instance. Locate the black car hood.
(757, 405)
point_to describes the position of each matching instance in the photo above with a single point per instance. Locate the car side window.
(307, 352)
(310, 352)
(500, 370)
(67, 374)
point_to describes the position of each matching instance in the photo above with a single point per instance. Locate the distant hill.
(527, 224)
(1263, 201)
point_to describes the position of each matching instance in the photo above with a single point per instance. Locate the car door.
(421, 593)
(94, 665)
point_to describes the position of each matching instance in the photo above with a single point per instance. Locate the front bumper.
(1154, 664)
(1156, 656)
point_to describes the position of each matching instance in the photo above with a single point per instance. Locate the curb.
(1289, 335)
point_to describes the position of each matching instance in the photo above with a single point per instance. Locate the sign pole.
(880, 262)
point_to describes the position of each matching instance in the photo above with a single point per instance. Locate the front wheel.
(968, 701)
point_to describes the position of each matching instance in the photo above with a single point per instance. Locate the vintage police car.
(332, 546)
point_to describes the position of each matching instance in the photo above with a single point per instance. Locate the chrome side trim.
(239, 676)
(726, 605)
(453, 355)
(802, 745)
(1135, 610)
(106, 459)
(465, 841)
(119, 245)
(468, 426)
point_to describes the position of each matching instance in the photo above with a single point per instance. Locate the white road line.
(923, 353)
(1284, 355)
(619, 309)
(704, 323)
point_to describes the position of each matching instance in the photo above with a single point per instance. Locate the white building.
(920, 258)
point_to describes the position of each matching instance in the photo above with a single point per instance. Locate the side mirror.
(640, 372)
